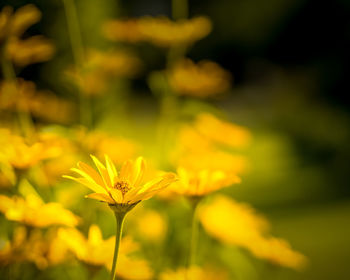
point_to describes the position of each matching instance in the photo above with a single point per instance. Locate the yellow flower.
(32, 50)
(21, 155)
(25, 97)
(151, 225)
(94, 250)
(160, 31)
(33, 246)
(199, 183)
(198, 80)
(123, 189)
(238, 224)
(222, 132)
(34, 212)
(100, 143)
(194, 273)
(12, 26)
(100, 68)
(214, 160)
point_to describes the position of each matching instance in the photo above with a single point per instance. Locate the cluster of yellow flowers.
(42, 137)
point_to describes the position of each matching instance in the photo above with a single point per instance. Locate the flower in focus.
(194, 273)
(96, 251)
(23, 51)
(34, 212)
(100, 68)
(198, 80)
(160, 31)
(123, 189)
(203, 182)
(237, 224)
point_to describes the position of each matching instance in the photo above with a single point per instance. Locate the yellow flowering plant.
(122, 191)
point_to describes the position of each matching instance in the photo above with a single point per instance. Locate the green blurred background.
(290, 62)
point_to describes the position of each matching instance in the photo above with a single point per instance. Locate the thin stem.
(179, 9)
(74, 31)
(119, 221)
(194, 234)
(78, 54)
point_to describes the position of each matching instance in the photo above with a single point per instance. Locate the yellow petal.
(112, 172)
(91, 172)
(101, 197)
(103, 171)
(92, 186)
(117, 195)
(138, 171)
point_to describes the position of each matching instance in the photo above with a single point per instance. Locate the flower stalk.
(120, 216)
(194, 232)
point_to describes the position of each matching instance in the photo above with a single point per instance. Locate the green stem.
(78, 55)
(194, 234)
(119, 221)
(74, 31)
(179, 9)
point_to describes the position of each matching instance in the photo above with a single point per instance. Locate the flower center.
(122, 186)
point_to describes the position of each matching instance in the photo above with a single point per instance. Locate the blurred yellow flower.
(199, 183)
(222, 132)
(33, 246)
(100, 68)
(20, 155)
(34, 212)
(202, 80)
(214, 160)
(151, 225)
(238, 224)
(32, 50)
(160, 31)
(100, 143)
(194, 273)
(123, 190)
(96, 251)
(23, 96)
(23, 51)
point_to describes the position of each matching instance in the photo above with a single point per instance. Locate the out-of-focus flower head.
(159, 31)
(199, 183)
(32, 211)
(96, 251)
(23, 96)
(210, 143)
(222, 132)
(100, 143)
(100, 68)
(201, 80)
(238, 224)
(123, 190)
(21, 155)
(33, 246)
(23, 51)
(194, 273)
(150, 224)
